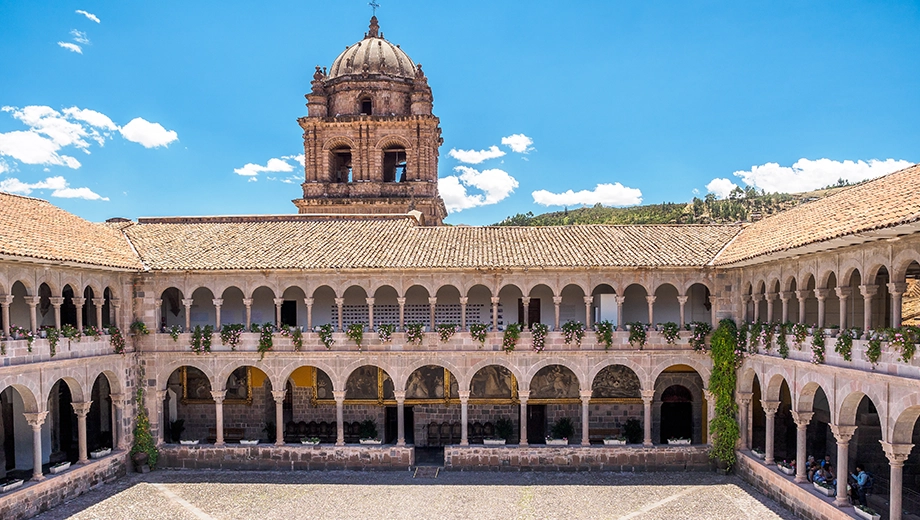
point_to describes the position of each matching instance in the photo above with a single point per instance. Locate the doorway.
(533, 311)
(391, 422)
(536, 423)
(289, 313)
(676, 414)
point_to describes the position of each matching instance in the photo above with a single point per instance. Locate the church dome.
(373, 55)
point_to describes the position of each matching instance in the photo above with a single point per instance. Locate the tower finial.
(373, 29)
(374, 5)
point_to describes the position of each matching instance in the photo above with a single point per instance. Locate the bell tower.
(370, 138)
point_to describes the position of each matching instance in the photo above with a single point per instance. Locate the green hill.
(742, 205)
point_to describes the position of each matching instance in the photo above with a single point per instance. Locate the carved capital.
(585, 395)
(57, 301)
(842, 434)
(821, 294)
(432, 300)
(682, 299)
(35, 420)
(557, 300)
(868, 291)
(588, 299)
(897, 288)
(161, 394)
(523, 395)
(843, 292)
(495, 300)
(98, 302)
(525, 300)
(801, 295)
(369, 301)
(464, 300)
(648, 395)
(6, 300)
(119, 400)
(308, 302)
(247, 302)
(219, 396)
(744, 397)
(217, 302)
(278, 395)
(401, 301)
(620, 300)
(278, 301)
(897, 453)
(464, 396)
(757, 297)
(115, 302)
(651, 299)
(802, 419)
(33, 301)
(339, 396)
(785, 296)
(400, 397)
(770, 296)
(187, 302)
(81, 409)
(770, 407)
(340, 301)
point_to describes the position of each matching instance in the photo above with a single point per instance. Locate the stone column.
(585, 416)
(157, 312)
(218, 302)
(842, 434)
(79, 303)
(400, 418)
(744, 405)
(158, 419)
(118, 434)
(769, 409)
(620, 301)
(402, 313)
(56, 302)
(116, 305)
(525, 301)
(219, 396)
(248, 303)
(278, 396)
(432, 306)
(843, 293)
(651, 309)
(867, 292)
(770, 298)
(309, 303)
(463, 301)
(98, 303)
(801, 425)
(784, 297)
(36, 420)
(340, 303)
(897, 454)
(464, 417)
(523, 396)
(588, 301)
(370, 314)
(33, 302)
(647, 397)
(495, 300)
(821, 295)
(896, 290)
(801, 296)
(557, 301)
(5, 302)
(745, 298)
(187, 303)
(339, 396)
(278, 303)
(682, 300)
(710, 412)
(81, 409)
(757, 299)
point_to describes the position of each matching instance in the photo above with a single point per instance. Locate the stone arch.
(466, 378)
(788, 282)
(628, 362)
(390, 140)
(854, 391)
(26, 284)
(171, 366)
(401, 376)
(475, 285)
(532, 370)
(111, 374)
(902, 262)
(746, 378)
(808, 387)
(823, 277)
(556, 382)
(223, 372)
(687, 284)
(73, 383)
(903, 425)
(338, 141)
(846, 271)
(701, 369)
(635, 306)
(666, 307)
(352, 369)
(597, 370)
(283, 374)
(774, 385)
(27, 392)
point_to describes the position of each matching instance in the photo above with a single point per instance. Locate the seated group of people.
(859, 484)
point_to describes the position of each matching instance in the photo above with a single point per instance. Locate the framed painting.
(196, 388)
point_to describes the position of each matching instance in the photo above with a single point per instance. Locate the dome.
(373, 55)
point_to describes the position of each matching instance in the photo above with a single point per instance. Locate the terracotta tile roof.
(35, 228)
(354, 243)
(884, 202)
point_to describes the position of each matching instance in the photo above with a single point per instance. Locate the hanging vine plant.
(355, 332)
(874, 348)
(70, 332)
(231, 334)
(670, 331)
(511, 336)
(539, 330)
(782, 342)
(415, 333)
(53, 336)
(700, 330)
(446, 330)
(817, 347)
(201, 339)
(296, 337)
(573, 331)
(174, 332)
(479, 332)
(799, 333)
(604, 333)
(325, 335)
(637, 335)
(385, 332)
(117, 340)
(844, 344)
(724, 424)
(265, 339)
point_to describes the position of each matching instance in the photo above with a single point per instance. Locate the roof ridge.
(24, 197)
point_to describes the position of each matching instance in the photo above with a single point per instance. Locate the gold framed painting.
(196, 388)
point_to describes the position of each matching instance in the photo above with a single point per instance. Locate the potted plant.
(560, 432)
(680, 441)
(309, 441)
(824, 488)
(60, 467)
(619, 440)
(633, 431)
(188, 442)
(866, 512)
(785, 467)
(504, 429)
(367, 432)
(9, 484)
(759, 453)
(101, 452)
(249, 442)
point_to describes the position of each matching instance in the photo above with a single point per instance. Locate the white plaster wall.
(635, 308)
(667, 308)
(232, 310)
(263, 306)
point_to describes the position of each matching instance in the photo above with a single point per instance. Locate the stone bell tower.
(370, 139)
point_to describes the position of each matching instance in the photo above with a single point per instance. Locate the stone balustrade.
(889, 362)
(17, 351)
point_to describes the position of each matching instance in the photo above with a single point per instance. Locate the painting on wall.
(494, 383)
(428, 383)
(196, 388)
(362, 384)
(554, 382)
(616, 382)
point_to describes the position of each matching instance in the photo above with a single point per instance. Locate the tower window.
(394, 165)
(367, 107)
(340, 165)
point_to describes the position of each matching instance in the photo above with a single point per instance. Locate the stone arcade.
(367, 248)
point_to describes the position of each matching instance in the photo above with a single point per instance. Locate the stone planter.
(786, 469)
(306, 442)
(59, 468)
(10, 485)
(140, 460)
(862, 514)
(557, 442)
(615, 442)
(823, 490)
(98, 454)
(189, 443)
(494, 442)
(679, 442)
(370, 441)
(247, 442)
(759, 454)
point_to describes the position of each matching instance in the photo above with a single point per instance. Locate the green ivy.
(53, 336)
(724, 424)
(539, 331)
(446, 330)
(874, 349)
(415, 333)
(117, 340)
(231, 334)
(201, 339)
(844, 344)
(174, 332)
(700, 330)
(781, 341)
(573, 331)
(817, 346)
(143, 437)
(265, 339)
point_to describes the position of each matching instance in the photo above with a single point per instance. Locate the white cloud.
(92, 117)
(475, 156)
(519, 143)
(495, 184)
(4, 167)
(273, 165)
(71, 47)
(607, 194)
(45, 120)
(298, 158)
(79, 36)
(150, 135)
(91, 16)
(721, 187)
(31, 148)
(806, 175)
(59, 186)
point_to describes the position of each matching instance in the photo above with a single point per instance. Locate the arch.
(362, 382)
(466, 378)
(26, 393)
(393, 140)
(774, 386)
(635, 305)
(111, 375)
(73, 384)
(489, 382)
(365, 104)
(691, 361)
(666, 307)
(172, 312)
(338, 141)
(902, 262)
(553, 381)
(168, 368)
(902, 432)
(616, 380)
(699, 303)
(203, 310)
(425, 382)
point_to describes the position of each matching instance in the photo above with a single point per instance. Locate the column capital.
(340, 301)
(33, 301)
(187, 302)
(897, 453)
(757, 297)
(464, 396)
(843, 292)
(247, 302)
(369, 301)
(308, 302)
(401, 301)
(57, 301)
(115, 302)
(785, 295)
(99, 302)
(495, 300)
(36, 420)
(821, 294)
(648, 395)
(400, 396)
(842, 434)
(708, 395)
(801, 295)
(523, 395)
(585, 395)
(588, 299)
(525, 300)
(770, 296)
(897, 288)
(217, 302)
(6, 300)
(339, 396)
(770, 407)
(464, 300)
(744, 397)
(118, 400)
(682, 299)
(278, 301)
(81, 409)
(557, 300)
(802, 418)
(620, 300)
(218, 396)
(432, 300)
(868, 291)
(650, 299)
(278, 395)
(161, 394)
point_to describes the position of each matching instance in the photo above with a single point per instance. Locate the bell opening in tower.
(367, 106)
(394, 165)
(340, 165)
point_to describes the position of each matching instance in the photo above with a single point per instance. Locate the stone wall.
(578, 458)
(287, 458)
(33, 498)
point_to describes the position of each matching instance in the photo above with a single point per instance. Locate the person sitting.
(861, 487)
(829, 476)
(820, 476)
(812, 469)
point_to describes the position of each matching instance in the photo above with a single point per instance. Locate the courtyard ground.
(201, 495)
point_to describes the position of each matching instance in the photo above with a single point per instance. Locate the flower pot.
(787, 470)
(557, 442)
(189, 443)
(140, 461)
(10, 485)
(823, 490)
(370, 441)
(309, 443)
(248, 442)
(759, 454)
(679, 442)
(862, 514)
(494, 442)
(98, 454)
(615, 442)
(59, 468)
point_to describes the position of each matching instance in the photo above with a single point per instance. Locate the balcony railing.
(888, 363)
(18, 353)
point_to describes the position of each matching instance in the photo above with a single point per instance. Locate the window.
(394, 165)
(367, 106)
(340, 165)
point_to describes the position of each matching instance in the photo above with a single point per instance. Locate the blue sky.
(154, 106)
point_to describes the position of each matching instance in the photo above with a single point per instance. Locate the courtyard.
(397, 494)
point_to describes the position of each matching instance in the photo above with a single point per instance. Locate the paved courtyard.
(348, 494)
